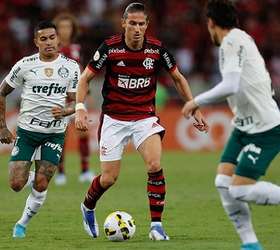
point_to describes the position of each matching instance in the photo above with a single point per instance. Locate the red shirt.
(130, 80)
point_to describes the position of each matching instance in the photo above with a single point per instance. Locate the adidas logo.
(120, 63)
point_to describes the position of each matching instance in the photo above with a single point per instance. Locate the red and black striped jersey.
(130, 79)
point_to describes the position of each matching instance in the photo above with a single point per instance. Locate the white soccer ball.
(119, 226)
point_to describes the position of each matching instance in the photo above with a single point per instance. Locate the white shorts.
(115, 135)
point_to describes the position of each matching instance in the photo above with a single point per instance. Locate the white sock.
(30, 180)
(237, 211)
(34, 201)
(262, 193)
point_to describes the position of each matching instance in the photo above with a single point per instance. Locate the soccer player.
(254, 141)
(132, 62)
(47, 79)
(67, 29)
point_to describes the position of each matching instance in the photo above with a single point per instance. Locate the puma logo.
(254, 159)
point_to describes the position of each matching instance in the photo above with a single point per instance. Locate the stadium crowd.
(180, 24)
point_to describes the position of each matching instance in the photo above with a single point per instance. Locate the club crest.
(63, 72)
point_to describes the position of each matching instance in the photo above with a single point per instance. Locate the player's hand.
(191, 109)
(58, 112)
(81, 120)
(6, 137)
(200, 123)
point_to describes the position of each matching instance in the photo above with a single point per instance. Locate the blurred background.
(180, 24)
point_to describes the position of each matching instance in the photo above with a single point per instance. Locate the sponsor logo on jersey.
(151, 51)
(48, 72)
(167, 60)
(96, 56)
(116, 51)
(53, 88)
(30, 59)
(149, 63)
(15, 73)
(75, 80)
(46, 124)
(133, 83)
(240, 54)
(121, 63)
(101, 61)
(63, 72)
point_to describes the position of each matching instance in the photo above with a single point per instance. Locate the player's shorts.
(31, 146)
(115, 134)
(252, 153)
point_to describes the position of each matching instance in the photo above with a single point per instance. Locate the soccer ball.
(119, 226)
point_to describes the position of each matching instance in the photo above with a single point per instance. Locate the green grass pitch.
(193, 217)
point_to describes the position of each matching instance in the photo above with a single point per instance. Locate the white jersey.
(45, 85)
(253, 106)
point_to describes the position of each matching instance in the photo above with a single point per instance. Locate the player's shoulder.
(237, 37)
(29, 60)
(153, 41)
(114, 40)
(68, 61)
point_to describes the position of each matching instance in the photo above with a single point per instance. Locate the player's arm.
(5, 135)
(97, 62)
(181, 85)
(184, 90)
(69, 109)
(234, 57)
(81, 120)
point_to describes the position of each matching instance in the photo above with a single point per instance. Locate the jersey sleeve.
(232, 57)
(99, 58)
(15, 76)
(167, 60)
(75, 76)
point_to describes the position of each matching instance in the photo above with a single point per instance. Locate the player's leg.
(46, 160)
(150, 150)
(109, 174)
(60, 177)
(43, 173)
(114, 136)
(18, 174)
(260, 150)
(237, 211)
(86, 175)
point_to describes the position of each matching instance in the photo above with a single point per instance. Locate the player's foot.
(89, 221)
(86, 176)
(157, 233)
(30, 180)
(18, 231)
(60, 179)
(251, 246)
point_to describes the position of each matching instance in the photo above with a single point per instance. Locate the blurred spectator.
(179, 23)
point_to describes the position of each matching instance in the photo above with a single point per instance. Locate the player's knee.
(41, 186)
(16, 185)
(239, 191)
(108, 180)
(222, 181)
(153, 165)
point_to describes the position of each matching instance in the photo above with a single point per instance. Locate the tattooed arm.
(5, 135)
(69, 109)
